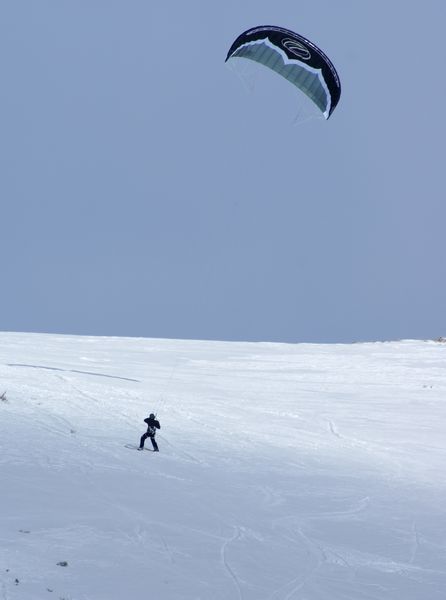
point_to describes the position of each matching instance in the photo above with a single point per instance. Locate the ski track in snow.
(236, 536)
(415, 546)
(72, 371)
(182, 454)
(296, 584)
(271, 497)
(4, 591)
(333, 429)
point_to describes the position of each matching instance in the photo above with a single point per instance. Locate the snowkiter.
(152, 426)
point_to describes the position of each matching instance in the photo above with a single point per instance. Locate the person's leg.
(154, 444)
(143, 439)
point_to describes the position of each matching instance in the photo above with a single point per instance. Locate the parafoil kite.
(294, 57)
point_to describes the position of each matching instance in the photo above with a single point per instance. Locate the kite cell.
(296, 59)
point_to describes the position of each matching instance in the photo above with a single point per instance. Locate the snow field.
(285, 472)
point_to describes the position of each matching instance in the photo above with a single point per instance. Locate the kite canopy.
(294, 57)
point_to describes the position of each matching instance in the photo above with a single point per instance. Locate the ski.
(133, 447)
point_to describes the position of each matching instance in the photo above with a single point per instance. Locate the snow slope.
(285, 472)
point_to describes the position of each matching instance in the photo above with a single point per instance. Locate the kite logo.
(296, 48)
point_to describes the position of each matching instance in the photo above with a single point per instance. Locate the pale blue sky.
(145, 191)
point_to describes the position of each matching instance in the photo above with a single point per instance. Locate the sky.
(148, 190)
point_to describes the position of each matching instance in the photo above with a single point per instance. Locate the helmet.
(151, 416)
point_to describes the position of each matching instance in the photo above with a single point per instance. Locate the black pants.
(152, 439)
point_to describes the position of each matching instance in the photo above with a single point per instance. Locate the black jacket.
(152, 425)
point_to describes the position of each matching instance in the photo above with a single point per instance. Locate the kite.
(296, 59)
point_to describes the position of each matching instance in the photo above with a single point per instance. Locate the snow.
(285, 472)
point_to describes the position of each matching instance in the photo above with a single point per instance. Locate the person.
(152, 426)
